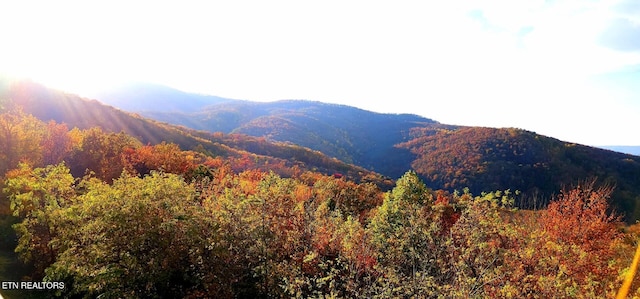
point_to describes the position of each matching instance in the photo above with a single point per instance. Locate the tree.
(568, 250)
(140, 237)
(101, 153)
(480, 245)
(241, 218)
(581, 216)
(56, 143)
(38, 198)
(166, 157)
(405, 236)
(584, 233)
(351, 199)
(20, 137)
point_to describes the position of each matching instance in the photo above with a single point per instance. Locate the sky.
(568, 69)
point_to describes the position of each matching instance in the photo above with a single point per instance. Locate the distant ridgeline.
(48, 104)
(308, 134)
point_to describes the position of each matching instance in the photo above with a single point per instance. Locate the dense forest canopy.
(221, 234)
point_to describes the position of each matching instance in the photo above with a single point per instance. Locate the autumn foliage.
(114, 218)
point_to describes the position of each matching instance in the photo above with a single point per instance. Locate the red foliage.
(442, 198)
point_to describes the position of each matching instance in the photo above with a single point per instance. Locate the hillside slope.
(350, 134)
(47, 104)
(486, 159)
(447, 157)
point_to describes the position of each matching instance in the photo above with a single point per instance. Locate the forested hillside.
(110, 214)
(484, 159)
(52, 105)
(445, 156)
(350, 134)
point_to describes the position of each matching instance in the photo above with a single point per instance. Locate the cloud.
(631, 7)
(621, 35)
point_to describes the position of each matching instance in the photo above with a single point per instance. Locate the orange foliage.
(167, 157)
(581, 216)
(302, 193)
(56, 144)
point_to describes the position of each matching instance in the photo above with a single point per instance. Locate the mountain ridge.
(137, 97)
(351, 134)
(448, 157)
(48, 104)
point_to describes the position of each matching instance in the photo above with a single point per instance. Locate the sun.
(53, 44)
(60, 72)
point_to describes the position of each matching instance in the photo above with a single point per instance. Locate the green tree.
(38, 198)
(140, 237)
(406, 238)
(20, 137)
(282, 230)
(244, 230)
(480, 244)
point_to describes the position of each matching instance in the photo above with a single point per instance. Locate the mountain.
(485, 159)
(350, 134)
(140, 97)
(447, 157)
(48, 104)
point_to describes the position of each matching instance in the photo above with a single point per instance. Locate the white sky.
(569, 69)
